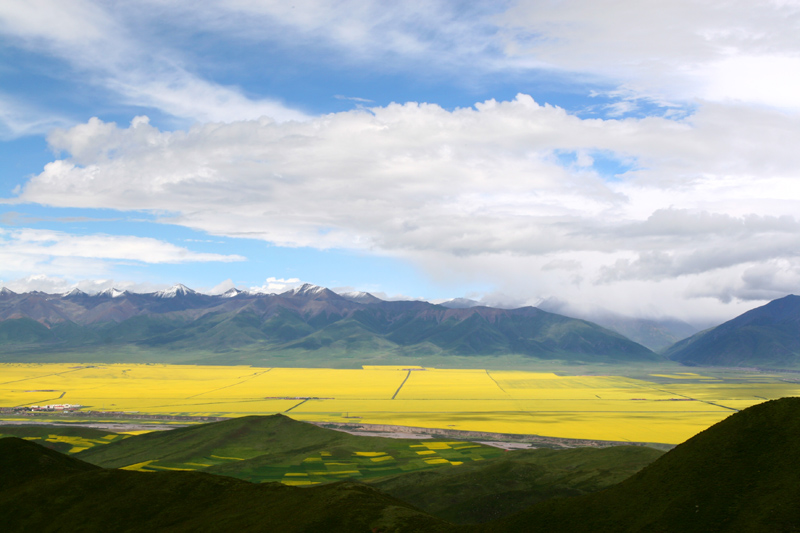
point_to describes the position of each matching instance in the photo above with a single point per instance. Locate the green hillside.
(740, 475)
(277, 448)
(483, 491)
(64, 439)
(43, 491)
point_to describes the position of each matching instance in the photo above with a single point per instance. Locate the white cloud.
(277, 285)
(466, 192)
(103, 45)
(54, 252)
(54, 284)
(18, 119)
(677, 49)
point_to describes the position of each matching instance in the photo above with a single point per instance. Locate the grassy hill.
(43, 491)
(740, 475)
(483, 491)
(459, 482)
(277, 448)
(64, 439)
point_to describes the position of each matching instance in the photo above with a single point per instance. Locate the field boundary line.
(401, 385)
(228, 386)
(297, 405)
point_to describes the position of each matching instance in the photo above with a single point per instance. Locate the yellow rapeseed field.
(665, 407)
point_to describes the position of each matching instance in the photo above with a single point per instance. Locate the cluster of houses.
(53, 407)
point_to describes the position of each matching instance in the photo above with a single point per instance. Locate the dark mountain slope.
(494, 488)
(740, 475)
(68, 495)
(768, 336)
(21, 461)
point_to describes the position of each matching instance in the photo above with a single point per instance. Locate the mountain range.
(308, 322)
(312, 325)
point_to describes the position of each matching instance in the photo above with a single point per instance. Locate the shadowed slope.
(64, 494)
(491, 489)
(740, 475)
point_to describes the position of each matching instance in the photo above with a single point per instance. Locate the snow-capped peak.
(74, 292)
(176, 290)
(112, 293)
(7, 292)
(306, 289)
(360, 297)
(232, 292)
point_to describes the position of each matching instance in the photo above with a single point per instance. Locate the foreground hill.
(487, 490)
(768, 336)
(740, 475)
(305, 324)
(43, 491)
(277, 448)
(461, 482)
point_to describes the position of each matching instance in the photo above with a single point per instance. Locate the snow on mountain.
(112, 293)
(74, 292)
(360, 297)
(306, 290)
(7, 292)
(232, 293)
(174, 291)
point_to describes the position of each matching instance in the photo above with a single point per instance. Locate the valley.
(657, 406)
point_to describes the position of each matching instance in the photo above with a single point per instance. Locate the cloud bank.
(482, 189)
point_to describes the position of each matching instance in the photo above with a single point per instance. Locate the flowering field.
(667, 408)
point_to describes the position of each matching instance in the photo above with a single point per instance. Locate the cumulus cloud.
(277, 285)
(470, 191)
(704, 205)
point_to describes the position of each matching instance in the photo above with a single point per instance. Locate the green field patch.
(64, 439)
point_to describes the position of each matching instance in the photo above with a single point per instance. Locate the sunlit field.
(664, 408)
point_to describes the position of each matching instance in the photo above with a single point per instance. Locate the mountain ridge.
(306, 320)
(767, 336)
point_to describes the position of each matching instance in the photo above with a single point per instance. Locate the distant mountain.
(361, 297)
(655, 333)
(460, 303)
(768, 336)
(308, 321)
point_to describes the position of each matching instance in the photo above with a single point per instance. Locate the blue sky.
(639, 157)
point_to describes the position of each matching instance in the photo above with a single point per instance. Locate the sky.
(636, 156)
